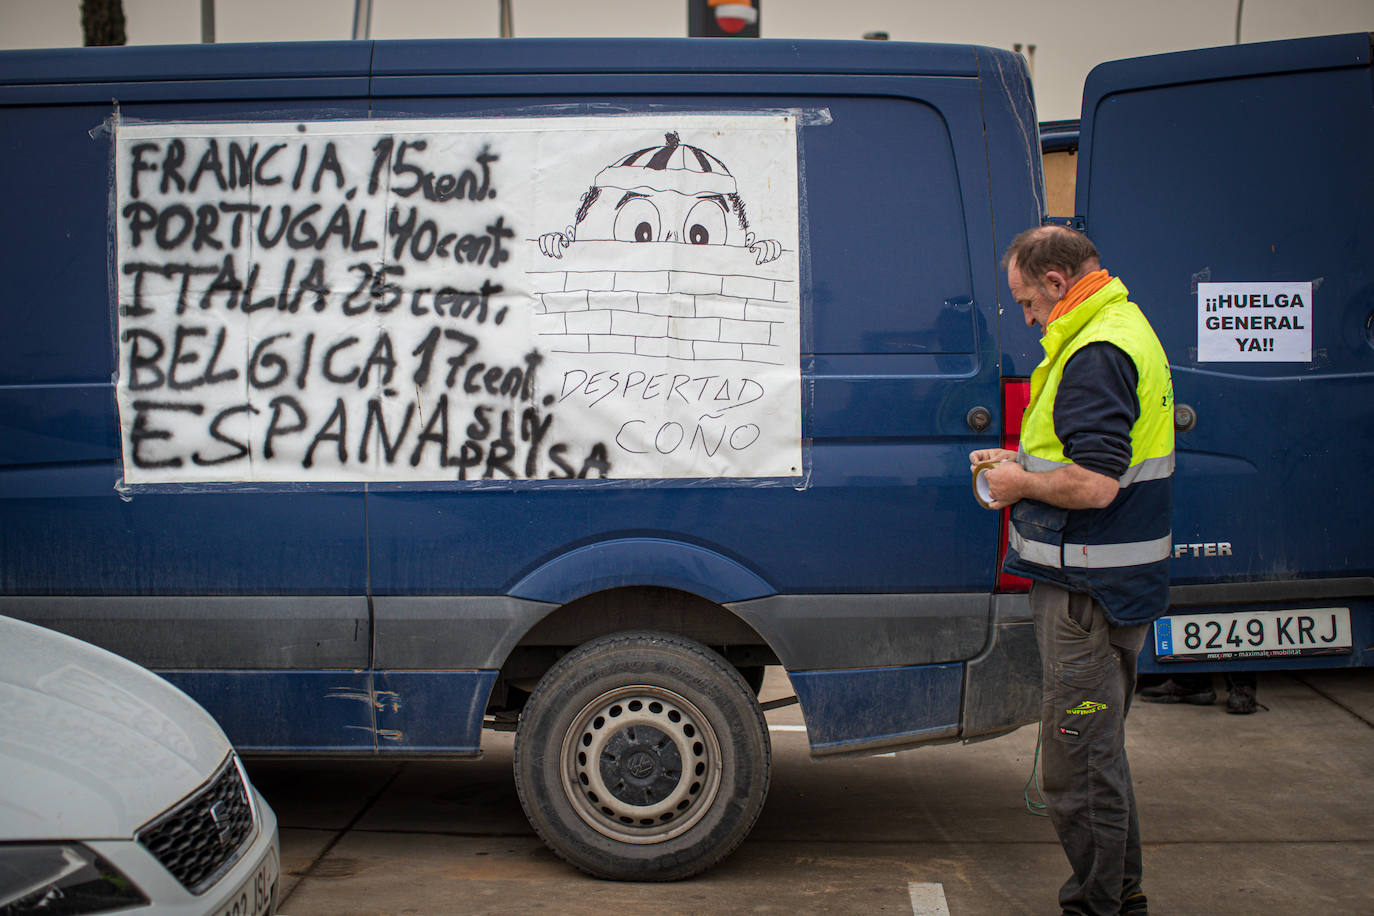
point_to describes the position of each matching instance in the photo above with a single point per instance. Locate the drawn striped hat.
(675, 166)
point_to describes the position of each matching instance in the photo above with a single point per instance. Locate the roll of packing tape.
(980, 483)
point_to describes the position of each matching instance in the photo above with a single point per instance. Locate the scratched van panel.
(64, 530)
(1265, 181)
(899, 350)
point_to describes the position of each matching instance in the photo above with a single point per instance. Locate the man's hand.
(1007, 483)
(989, 454)
(1007, 458)
(1070, 487)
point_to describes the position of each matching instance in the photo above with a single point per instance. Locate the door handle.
(1185, 418)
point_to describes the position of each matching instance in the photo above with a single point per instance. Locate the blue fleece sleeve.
(1095, 408)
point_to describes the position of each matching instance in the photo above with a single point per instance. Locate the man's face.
(1035, 299)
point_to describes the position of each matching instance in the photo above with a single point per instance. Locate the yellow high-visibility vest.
(1118, 554)
(1106, 316)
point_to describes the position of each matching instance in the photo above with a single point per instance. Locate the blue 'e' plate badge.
(1164, 637)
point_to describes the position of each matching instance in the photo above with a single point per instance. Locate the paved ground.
(1271, 813)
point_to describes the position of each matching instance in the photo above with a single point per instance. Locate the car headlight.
(60, 879)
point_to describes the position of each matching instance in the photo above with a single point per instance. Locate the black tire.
(642, 757)
(753, 676)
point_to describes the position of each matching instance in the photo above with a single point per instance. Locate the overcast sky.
(1070, 36)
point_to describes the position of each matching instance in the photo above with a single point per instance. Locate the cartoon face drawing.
(662, 216)
(672, 193)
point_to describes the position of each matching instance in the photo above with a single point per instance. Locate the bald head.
(1042, 249)
(1042, 265)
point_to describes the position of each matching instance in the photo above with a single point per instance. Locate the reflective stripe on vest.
(1149, 469)
(1092, 556)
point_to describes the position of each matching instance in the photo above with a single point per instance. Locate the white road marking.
(928, 899)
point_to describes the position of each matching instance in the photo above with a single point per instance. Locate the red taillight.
(1015, 397)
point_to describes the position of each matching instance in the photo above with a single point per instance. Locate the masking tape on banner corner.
(980, 484)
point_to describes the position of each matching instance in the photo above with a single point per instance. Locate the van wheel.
(642, 757)
(753, 676)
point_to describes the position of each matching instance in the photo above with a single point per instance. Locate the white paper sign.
(496, 299)
(1254, 322)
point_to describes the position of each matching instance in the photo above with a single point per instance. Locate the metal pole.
(207, 22)
(507, 19)
(362, 19)
(1240, 8)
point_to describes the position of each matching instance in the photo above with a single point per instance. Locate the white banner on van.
(1254, 322)
(482, 299)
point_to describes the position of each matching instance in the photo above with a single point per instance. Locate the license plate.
(1253, 634)
(254, 896)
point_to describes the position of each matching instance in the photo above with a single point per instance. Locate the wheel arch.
(625, 609)
(640, 561)
(642, 607)
(639, 583)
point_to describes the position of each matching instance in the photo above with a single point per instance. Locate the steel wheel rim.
(641, 764)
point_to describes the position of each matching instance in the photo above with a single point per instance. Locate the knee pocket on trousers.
(1085, 673)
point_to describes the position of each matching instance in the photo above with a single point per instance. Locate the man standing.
(1091, 493)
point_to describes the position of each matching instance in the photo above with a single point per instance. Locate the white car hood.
(92, 746)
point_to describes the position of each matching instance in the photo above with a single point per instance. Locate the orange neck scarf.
(1080, 292)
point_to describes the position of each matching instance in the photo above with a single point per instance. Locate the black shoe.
(1135, 905)
(1172, 691)
(1242, 700)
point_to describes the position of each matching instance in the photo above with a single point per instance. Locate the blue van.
(1229, 188)
(1271, 556)
(377, 393)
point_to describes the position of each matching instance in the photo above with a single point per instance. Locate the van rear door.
(1230, 189)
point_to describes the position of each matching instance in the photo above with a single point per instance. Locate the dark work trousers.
(1088, 675)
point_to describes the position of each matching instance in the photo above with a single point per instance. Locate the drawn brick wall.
(684, 302)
